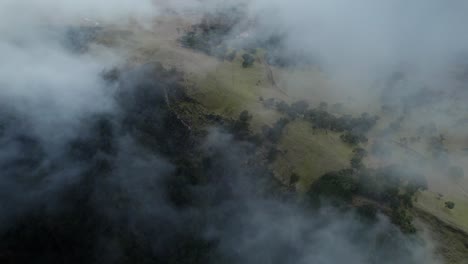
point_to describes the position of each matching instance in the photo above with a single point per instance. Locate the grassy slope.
(226, 88)
(310, 154)
(231, 89)
(450, 242)
(458, 216)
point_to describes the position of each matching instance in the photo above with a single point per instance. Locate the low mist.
(97, 167)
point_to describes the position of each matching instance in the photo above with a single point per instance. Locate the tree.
(352, 138)
(231, 55)
(449, 204)
(300, 107)
(272, 153)
(248, 60)
(337, 108)
(367, 211)
(356, 162)
(406, 200)
(241, 127)
(282, 106)
(244, 116)
(360, 152)
(274, 133)
(323, 106)
(293, 179)
(404, 220)
(416, 182)
(338, 185)
(436, 144)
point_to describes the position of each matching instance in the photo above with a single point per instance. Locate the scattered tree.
(353, 139)
(300, 107)
(401, 218)
(360, 152)
(356, 163)
(231, 55)
(449, 204)
(293, 179)
(368, 212)
(248, 60)
(274, 133)
(244, 116)
(323, 106)
(337, 108)
(241, 127)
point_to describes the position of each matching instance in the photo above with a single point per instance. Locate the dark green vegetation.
(209, 35)
(170, 179)
(450, 205)
(296, 153)
(87, 207)
(390, 189)
(147, 187)
(353, 129)
(277, 53)
(137, 187)
(248, 60)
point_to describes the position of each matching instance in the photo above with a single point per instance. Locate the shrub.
(352, 138)
(449, 204)
(231, 55)
(401, 218)
(300, 107)
(248, 60)
(335, 185)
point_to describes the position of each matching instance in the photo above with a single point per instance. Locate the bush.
(416, 182)
(300, 107)
(449, 205)
(272, 154)
(335, 185)
(231, 55)
(401, 218)
(352, 138)
(360, 152)
(368, 212)
(356, 162)
(274, 133)
(294, 179)
(248, 60)
(241, 127)
(323, 106)
(244, 116)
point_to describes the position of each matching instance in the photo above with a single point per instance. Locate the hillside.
(233, 132)
(226, 89)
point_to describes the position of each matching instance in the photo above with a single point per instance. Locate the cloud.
(366, 34)
(95, 167)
